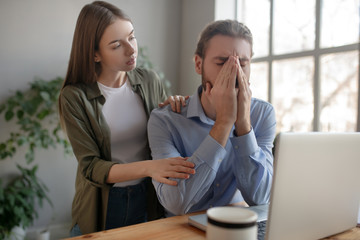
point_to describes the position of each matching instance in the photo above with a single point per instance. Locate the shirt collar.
(195, 108)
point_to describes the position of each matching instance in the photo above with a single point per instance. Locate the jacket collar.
(133, 79)
(93, 91)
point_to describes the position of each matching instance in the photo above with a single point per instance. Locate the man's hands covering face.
(243, 123)
(232, 105)
(223, 95)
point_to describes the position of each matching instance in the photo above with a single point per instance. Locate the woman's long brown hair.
(93, 19)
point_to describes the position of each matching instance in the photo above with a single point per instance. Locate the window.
(306, 61)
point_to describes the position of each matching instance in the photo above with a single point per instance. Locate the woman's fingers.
(172, 103)
(167, 181)
(183, 100)
(179, 175)
(182, 169)
(176, 102)
(182, 162)
(171, 182)
(176, 167)
(180, 101)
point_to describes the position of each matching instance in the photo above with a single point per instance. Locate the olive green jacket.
(89, 135)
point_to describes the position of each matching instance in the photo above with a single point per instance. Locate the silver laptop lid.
(316, 191)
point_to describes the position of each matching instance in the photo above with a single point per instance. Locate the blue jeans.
(126, 206)
(75, 231)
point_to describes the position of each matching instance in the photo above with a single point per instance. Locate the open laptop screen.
(315, 189)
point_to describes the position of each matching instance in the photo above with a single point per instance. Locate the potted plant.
(34, 113)
(18, 199)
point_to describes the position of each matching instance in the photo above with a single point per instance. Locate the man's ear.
(198, 64)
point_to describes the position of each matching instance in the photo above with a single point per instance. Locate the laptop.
(315, 191)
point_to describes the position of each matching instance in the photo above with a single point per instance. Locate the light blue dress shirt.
(242, 170)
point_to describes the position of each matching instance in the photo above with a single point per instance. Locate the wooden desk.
(177, 228)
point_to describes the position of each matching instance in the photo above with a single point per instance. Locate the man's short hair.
(230, 28)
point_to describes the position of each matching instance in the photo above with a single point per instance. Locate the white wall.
(195, 16)
(36, 36)
(225, 9)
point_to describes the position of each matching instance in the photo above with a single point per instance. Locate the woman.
(104, 93)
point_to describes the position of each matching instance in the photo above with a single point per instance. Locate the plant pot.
(43, 235)
(17, 233)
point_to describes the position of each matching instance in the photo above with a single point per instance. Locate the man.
(225, 132)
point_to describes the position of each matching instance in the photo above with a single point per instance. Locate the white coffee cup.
(231, 223)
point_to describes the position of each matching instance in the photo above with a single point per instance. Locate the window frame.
(316, 53)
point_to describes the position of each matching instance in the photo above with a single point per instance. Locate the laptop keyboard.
(261, 230)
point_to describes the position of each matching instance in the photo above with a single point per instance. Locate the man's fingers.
(228, 73)
(242, 81)
(208, 88)
(232, 77)
(225, 73)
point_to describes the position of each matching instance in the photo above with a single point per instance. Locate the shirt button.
(218, 185)
(220, 160)
(236, 147)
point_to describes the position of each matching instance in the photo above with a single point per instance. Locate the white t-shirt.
(125, 114)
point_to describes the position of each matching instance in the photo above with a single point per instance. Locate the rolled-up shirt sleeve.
(82, 137)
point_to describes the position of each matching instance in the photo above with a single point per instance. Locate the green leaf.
(21, 201)
(45, 95)
(9, 115)
(21, 140)
(32, 111)
(20, 114)
(11, 199)
(19, 95)
(29, 107)
(29, 156)
(41, 115)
